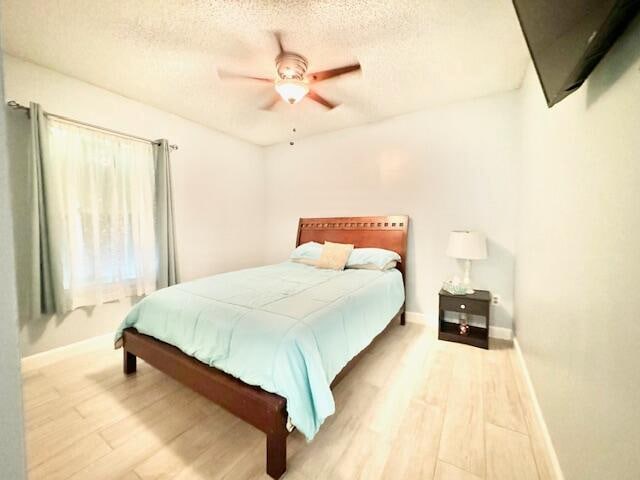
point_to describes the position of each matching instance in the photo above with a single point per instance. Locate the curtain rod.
(16, 106)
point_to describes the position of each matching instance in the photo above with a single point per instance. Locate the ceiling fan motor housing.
(291, 83)
(290, 65)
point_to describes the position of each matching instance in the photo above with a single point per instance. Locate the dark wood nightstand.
(478, 303)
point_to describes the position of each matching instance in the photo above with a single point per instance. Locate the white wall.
(577, 301)
(12, 453)
(218, 188)
(449, 168)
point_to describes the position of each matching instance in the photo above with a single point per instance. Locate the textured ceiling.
(414, 54)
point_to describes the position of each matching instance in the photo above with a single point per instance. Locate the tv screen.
(567, 38)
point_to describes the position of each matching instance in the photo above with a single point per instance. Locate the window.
(100, 189)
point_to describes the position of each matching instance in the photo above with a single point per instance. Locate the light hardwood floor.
(413, 408)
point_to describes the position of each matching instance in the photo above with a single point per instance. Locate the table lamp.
(467, 245)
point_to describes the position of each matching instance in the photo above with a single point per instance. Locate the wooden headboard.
(382, 232)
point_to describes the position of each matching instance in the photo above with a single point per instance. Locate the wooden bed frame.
(268, 411)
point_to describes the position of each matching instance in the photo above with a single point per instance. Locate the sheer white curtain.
(99, 190)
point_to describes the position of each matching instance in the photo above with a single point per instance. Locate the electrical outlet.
(495, 300)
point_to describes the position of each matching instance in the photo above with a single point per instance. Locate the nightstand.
(477, 303)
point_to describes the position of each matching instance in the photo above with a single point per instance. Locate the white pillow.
(372, 258)
(373, 266)
(307, 253)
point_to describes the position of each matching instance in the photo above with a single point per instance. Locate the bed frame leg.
(403, 320)
(129, 364)
(276, 454)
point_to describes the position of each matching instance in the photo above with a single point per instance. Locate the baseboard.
(500, 333)
(420, 318)
(555, 464)
(415, 317)
(37, 360)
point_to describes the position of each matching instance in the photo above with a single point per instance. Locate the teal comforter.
(288, 328)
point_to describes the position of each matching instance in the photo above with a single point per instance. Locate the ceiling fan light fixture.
(292, 90)
(291, 79)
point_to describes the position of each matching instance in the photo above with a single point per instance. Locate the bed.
(268, 344)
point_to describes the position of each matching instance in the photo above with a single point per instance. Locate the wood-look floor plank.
(251, 465)
(37, 434)
(335, 435)
(415, 448)
(140, 446)
(114, 398)
(501, 398)
(445, 471)
(291, 476)
(378, 368)
(53, 437)
(94, 377)
(386, 411)
(39, 416)
(37, 391)
(85, 387)
(85, 382)
(364, 457)
(74, 364)
(534, 429)
(77, 456)
(419, 341)
(177, 455)
(509, 455)
(434, 386)
(130, 476)
(327, 447)
(464, 418)
(118, 433)
(59, 359)
(222, 456)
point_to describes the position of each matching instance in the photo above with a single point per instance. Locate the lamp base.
(466, 280)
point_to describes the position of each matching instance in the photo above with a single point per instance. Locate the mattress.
(288, 328)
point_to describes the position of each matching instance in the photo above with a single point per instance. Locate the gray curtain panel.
(43, 295)
(46, 293)
(165, 231)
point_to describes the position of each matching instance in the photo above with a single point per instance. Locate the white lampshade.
(467, 245)
(292, 90)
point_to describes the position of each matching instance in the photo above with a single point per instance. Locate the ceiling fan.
(292, 82)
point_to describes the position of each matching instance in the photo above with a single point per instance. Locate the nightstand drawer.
(464, 305)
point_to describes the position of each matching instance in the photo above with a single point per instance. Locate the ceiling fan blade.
(321, 100)
(334, 72)
(271, 103)
(278, 36)
(224, 75)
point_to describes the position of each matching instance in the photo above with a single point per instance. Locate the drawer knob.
(462, 306)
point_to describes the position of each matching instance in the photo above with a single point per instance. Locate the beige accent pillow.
(334, 256)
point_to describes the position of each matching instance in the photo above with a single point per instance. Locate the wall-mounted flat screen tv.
(567, 38)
